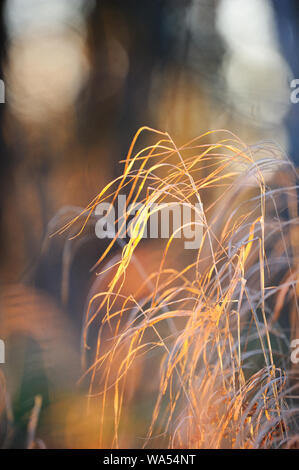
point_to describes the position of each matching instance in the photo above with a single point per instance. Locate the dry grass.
(194, 353)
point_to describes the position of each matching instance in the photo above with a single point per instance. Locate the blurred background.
(81, 76)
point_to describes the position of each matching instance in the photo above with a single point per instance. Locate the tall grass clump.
(193, 346)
